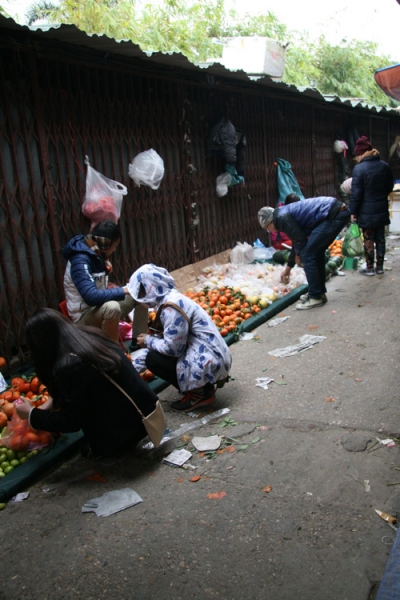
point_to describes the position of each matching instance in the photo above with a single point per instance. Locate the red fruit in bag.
(33, 437)
(102, 210)
(18, 443)
(44, 438)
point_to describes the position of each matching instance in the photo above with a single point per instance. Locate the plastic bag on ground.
(147, 168)
(242, 253)
(103, 197)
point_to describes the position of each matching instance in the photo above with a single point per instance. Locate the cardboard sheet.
(186, 277)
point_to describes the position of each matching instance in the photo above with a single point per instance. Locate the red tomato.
(35, 384)
(17, 381)
(24, 387)
(8, 409)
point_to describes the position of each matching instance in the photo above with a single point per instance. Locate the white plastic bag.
(103, 197)
(147, 168)
(223, 181)
(242, 253)
(263, 253)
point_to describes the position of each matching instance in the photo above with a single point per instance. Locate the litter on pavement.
(112, 502)
(263, 382)
(203, 444)
(306, 342)
(177, 458)
(170, 435)
(277, 321)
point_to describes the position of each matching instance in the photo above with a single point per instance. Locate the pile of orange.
(335, 249)
(227, 307)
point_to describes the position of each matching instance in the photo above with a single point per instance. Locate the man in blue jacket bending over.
(312, 225)
(89, 299)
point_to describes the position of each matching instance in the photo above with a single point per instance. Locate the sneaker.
(379, 270)
(194, 398)
(305, 297)
(366, 271)
(310, 303)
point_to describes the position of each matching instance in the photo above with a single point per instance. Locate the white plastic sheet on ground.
(277, 321)
(263, 382)
(170, 435)
(306, 342)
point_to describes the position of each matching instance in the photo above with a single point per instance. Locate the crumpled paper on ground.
(263, 382)
(112, 502)
(277, 321)
(204, 444)
(306, 342)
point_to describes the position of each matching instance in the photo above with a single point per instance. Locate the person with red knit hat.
(372, 182)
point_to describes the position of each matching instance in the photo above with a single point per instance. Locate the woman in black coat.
(70, 360)
(372, 182)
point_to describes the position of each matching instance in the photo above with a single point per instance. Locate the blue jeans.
(313, 254)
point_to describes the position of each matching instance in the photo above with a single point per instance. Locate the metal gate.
(57, 106)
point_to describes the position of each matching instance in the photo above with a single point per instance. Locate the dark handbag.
(155, 423)
(157, 328)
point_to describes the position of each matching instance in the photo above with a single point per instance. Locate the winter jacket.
(372, 182)
(85, 279)
(87, 401)
(203, 356)
(298, 219)
(227, 141)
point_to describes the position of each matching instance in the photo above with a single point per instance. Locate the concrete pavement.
(283, 512)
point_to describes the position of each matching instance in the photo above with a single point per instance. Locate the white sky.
(371, 20)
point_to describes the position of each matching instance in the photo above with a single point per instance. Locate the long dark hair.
(51, 337)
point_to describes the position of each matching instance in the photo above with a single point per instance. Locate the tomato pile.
(18, 441)
(228, 307)
(28, 387)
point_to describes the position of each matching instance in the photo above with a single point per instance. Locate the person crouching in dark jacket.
(312, 225)
(89, 299)
(372, 182)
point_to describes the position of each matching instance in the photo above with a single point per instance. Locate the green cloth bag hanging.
(286, 181)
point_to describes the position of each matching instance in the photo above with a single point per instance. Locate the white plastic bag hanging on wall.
(147, 168)
(103, 197)
(223, 181)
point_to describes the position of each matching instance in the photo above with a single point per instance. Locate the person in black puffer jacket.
(372, 182)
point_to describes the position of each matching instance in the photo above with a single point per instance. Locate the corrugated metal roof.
(70, 34)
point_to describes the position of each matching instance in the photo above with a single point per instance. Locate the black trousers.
(163, 366)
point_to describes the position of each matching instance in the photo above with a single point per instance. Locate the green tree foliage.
(267, 25)
(197, 29)
(348, 70)
(345, 70)
(168, 26)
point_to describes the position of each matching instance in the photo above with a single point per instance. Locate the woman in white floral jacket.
(190, 354)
